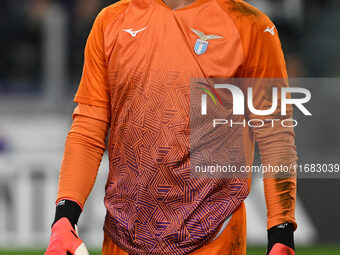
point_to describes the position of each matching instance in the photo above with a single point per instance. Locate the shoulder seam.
(121, 10)
(238, 31)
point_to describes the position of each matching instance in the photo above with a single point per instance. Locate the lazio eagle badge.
(202, 43)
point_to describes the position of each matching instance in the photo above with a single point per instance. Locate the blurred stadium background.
(42, 43)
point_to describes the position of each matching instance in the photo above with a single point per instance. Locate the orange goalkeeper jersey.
(139, 59)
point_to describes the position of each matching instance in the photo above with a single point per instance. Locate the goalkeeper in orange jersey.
(139, 59)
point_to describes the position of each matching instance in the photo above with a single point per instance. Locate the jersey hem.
(122, 247)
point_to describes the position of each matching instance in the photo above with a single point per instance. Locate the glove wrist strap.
(283, 233)
(69, 209)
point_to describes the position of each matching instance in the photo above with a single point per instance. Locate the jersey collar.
(190, 6)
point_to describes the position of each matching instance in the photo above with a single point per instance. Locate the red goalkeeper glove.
(281, 249)
(281, 240)
(64, 238)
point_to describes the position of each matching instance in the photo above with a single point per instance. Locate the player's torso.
(157, 50)
(152, 55)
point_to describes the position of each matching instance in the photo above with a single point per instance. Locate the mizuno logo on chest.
(133, 33)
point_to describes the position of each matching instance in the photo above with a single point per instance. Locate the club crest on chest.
(202, 43)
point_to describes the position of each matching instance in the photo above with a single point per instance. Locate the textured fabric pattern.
(153, 206)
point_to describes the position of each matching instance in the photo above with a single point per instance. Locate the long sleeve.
(84, 148)
(265, 67)
(85, 143)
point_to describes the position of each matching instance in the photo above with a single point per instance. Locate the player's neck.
(177, 4)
